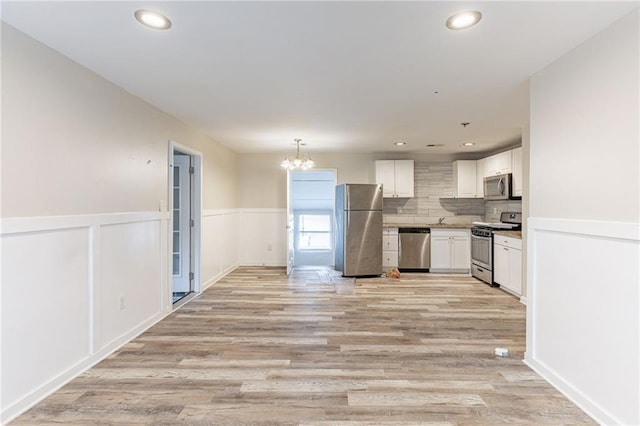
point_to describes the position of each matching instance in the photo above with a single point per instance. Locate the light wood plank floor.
(260, 348)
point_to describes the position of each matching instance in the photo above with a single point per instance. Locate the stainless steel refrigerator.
(359, 229)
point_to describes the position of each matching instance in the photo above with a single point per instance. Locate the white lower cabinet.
(450, 250)
(507, 263)
(389, 248)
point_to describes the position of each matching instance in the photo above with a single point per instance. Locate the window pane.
(176, 264)
(176, 220)
(176, 242)
(314, 241)
(315, 222)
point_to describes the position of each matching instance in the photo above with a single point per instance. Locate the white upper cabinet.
(396, 177)
(464, 179)
(516, 170)
(386, 175)
(481, 166)
(404, 178)
(498, 164)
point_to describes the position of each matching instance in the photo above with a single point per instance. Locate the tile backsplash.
(432, 199)
(494, 208)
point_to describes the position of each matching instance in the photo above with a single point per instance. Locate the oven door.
(481, 253)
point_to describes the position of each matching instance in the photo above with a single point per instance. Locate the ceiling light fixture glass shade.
(153, 20)
(462, 20)
(299, 161)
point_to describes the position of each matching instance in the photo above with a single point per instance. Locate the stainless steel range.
(482, 244)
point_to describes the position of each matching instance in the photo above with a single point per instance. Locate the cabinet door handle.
(506, 249)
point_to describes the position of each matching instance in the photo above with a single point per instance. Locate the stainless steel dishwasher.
(414, 249)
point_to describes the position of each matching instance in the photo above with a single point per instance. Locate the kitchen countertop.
(512, 234)
(427, 225)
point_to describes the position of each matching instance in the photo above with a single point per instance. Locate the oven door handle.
(480, 237)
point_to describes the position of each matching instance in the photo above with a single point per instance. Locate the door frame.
(291, 225)
(196, 214)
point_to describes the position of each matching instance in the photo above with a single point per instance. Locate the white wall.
(583, 321)
(83, 239)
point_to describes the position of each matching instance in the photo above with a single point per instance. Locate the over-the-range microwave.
(498, 187)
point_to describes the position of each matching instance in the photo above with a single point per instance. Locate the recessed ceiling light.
(462, 20)
(399, 143)
(468, 144)
(152, 19)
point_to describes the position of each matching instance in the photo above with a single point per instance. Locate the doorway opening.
(184, 232)
(311, 202)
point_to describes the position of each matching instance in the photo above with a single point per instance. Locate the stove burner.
(508, 220)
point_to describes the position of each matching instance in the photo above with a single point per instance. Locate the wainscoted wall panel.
(263, 237)
(230, 243)
(129, 281)
(211, 261)
(44, 305)
(592, 267)
(220, 247)
(86, 285)
(83, 285)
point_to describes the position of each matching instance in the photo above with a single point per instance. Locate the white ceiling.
(343, 76)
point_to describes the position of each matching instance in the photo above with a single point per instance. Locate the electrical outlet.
(269, 247)
(495, 210)
(121, 302)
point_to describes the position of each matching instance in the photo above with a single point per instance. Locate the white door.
(181, 226)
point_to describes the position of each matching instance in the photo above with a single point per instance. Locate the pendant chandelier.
(299, 161)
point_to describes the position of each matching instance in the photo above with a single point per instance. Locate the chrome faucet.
(440, 220)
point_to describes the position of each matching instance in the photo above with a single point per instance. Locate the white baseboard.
(523, 300)
(208, 283)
